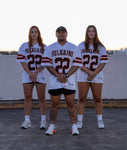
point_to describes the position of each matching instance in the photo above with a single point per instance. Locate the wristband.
(67, 75)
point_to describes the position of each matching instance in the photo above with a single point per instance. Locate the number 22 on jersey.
(90, 61)
(34, 59)
(62, 64)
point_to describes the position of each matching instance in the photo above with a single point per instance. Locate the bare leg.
(41, 96)
(28, 89)
(71, 107)
(83, 88)
(54, 106)
(97, 90)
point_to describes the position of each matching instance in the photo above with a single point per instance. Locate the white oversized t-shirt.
(62, 58)
(91, 60)
(33, 60)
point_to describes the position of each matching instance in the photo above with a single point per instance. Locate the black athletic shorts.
(32, 83)
(56, 92)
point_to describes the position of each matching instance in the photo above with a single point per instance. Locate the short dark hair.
(61, 28)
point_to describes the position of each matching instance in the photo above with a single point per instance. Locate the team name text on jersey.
(62, 52)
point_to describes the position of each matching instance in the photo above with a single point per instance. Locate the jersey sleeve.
(21, 54)
(103, 56)
(77, 59)
(45, 46)
(80, 46)
(47, 58)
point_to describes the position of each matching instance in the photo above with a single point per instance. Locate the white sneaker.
(51, 130)
(75, 130)
(79, 124)
(43, 124)
(26, 124)
(100, 124)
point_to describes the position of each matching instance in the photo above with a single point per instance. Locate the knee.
(55, 104)
(42, 100)
(28, 98)
(97, 99)
(70, 104)
(82, 99)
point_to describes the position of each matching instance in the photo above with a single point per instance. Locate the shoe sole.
(79, 127)
(25, 128)
(51, 134)
(75, 134)
(101, 128)
(42, 128)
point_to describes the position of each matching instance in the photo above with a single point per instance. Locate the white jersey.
(33, 60)
(62, 58)
(91, 60)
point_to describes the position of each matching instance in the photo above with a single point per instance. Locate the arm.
(95, 72)
(99, 68)
(38, 70)
(103, 60)
(72, 70)
(32, 75)
(85, 70)
(60, 77)
(52, 70)
(25, 67)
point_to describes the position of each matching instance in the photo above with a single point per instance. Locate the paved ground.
(113, 137)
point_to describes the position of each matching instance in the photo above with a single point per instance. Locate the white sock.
(43, 117)
(80, 117)
(27, 118)
(99, 117)
(52, 125)
(74, 125)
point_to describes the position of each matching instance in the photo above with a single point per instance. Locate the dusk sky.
(17, 16)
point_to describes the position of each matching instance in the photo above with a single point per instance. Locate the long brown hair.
(96, 41)
(40, 40)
